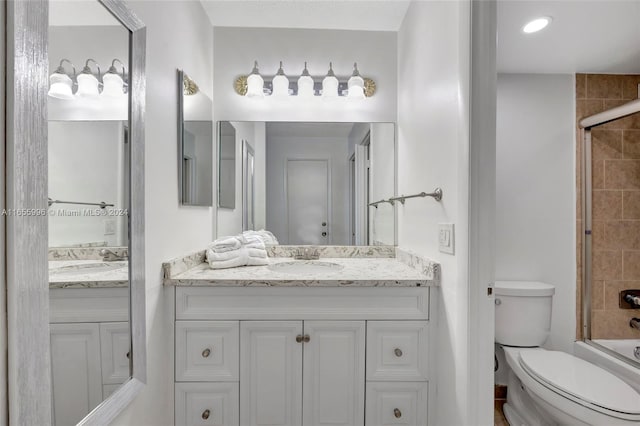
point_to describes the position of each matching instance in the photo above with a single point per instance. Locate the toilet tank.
(523, 312)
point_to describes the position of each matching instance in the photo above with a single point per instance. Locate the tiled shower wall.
(616, 203)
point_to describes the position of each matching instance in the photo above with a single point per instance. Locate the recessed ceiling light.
(536, 24)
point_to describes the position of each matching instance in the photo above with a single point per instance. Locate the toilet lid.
(581, 379)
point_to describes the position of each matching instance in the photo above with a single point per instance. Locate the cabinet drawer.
(207, 404)
(207, 351)
(399, 403)
(397, 350)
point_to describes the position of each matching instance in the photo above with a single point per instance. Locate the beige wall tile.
(631, 204)
(622, 235)
(598, 236)
(606, 144)
(604, 86)
(613, 324)
(581, 86)
(606, 205)
(630, 86)
(597, 174)
(622, 174)
(607, 264)
(587, 107)
(597, 294)
(631, 143)
(631, 265)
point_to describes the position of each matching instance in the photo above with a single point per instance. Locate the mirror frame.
(29, 363)
(248, 181)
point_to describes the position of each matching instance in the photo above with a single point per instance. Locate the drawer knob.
(206, 414)
(306, 338)
(398, 352)
(397, 413)
(206, 353)
(299, 338)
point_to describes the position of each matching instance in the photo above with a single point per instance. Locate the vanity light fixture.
(280, 83)
(113, 83)
(356, 84)
(537, 24)
(328, 87)
(190, 87)
(87, 82)
(255, 83)
(306, 84)
(60, 84)
(330, 84)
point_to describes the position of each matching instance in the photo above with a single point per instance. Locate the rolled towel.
(225, 244)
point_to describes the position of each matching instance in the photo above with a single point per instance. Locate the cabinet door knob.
(324, 234)
(128, 354)
(299, 338)
(205, 414)
(206, 353)
(397, 413)
(306, 338)
(398, 352)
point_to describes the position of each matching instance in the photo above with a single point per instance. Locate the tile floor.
(500, 397)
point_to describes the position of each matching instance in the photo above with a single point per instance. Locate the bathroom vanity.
(345, 347)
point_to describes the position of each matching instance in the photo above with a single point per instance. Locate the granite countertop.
(404, 269)
(88, 273)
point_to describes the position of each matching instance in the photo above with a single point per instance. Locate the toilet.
(551, 387)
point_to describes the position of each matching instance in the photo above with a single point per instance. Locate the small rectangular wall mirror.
(309, 183)
(195, 143)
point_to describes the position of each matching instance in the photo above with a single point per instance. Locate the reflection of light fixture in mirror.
(113, 84)
(255, 83)
(330, 84)
(189, 86)
(60, 83)
(305, 84)
(87, 82)
(356, 84)
(280, 83)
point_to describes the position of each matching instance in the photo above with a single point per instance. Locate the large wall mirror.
(309, 183)
(95, 191)
(195, 143)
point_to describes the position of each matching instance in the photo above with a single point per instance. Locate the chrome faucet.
(635, 323)
(110, 256)
(306, 253)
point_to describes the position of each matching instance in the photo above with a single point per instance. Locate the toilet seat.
(582, 382)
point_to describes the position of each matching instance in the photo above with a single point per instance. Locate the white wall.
(86, 163)
(433, 123)
(237, 48)
(4, 416)
(382, 183)
(260, 172)
(178, 35)
(536, 191)
(279, 149)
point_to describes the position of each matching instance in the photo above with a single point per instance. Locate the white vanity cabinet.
(90, 343)
(302, 356)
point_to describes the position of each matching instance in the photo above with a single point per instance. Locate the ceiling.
(363, 15)
(309, 130)
(599, 36)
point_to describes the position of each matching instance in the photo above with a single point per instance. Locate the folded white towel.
(245, 256)
(266, 236)
(225, 244)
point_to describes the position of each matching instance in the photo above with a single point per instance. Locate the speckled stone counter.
(361, 267)
(88, 273)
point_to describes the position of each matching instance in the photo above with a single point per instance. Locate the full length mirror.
(89, 159)
(195, 143)
(309, 183)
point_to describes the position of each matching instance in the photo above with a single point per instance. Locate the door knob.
(324, 234)
(206, 414)
(397, 413)
(299, 338)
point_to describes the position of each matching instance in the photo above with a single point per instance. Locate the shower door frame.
(586, 126)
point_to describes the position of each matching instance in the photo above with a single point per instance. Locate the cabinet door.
(397, 403)
(271, 379)
(333, 378)
(207, 404)
(115, 346)
(75, 371)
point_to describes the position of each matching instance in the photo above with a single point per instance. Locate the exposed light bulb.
(280, 83)
(305, 84)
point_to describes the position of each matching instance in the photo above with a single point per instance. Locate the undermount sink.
(306, 267)
(87, 268)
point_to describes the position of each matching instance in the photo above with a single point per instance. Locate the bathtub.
(629, 371)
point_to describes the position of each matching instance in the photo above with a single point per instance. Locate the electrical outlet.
(109, 227)
(446, 238)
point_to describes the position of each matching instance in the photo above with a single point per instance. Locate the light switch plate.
(446, 238)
